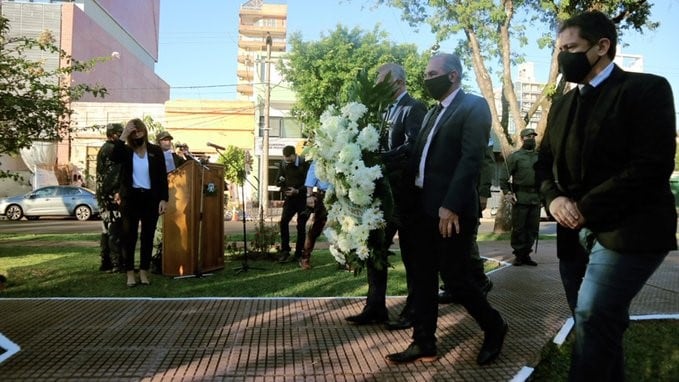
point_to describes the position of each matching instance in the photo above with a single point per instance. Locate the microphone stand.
(199, 266)
(244, 265)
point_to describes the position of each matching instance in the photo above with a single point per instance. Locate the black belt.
(140, 190)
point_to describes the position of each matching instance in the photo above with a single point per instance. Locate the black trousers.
(436, 251)
(139, 207)
(291, 206)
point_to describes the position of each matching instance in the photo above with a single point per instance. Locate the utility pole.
(264, 184)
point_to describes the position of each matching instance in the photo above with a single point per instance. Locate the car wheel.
(83, 213)
(14, 212)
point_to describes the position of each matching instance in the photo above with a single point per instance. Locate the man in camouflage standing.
(108, 184)
(523, 195)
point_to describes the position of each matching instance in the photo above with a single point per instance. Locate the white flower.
(373, 217)
(369, 138)
(354, 110)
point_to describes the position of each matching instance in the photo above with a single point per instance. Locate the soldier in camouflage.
(108, 184)
(523, 195)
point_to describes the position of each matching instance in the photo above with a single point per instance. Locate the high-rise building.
(257, 20)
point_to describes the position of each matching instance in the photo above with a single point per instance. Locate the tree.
(320, 71)
(34, 103)
(234, 164)
(490, 27)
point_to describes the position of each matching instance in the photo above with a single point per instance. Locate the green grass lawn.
(67, 266)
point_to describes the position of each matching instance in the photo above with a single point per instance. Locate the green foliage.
(265, 239)
(320, 72)
(234, 164)
(35, 105)
(153, 127)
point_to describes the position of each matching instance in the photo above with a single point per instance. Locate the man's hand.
(510, 198)
(566, 212)
(161, 207)
(447, 221)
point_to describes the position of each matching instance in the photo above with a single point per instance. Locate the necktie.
(432, 120)
(424, 135)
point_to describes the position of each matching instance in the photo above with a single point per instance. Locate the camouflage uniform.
(526, 209)
(108, 184)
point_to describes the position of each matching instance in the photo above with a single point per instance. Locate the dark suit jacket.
(123, 154)
(406, 121)
(627, 159)
(453, 162)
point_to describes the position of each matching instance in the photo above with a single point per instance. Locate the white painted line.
(674, 316)
(10, 347)
(523, 374)
(560, 337)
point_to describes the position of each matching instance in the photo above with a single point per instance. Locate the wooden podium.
(192, 246)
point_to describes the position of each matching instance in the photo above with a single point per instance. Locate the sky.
(198, 42)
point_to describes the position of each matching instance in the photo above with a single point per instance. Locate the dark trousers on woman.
(452, 253)
(139, 207)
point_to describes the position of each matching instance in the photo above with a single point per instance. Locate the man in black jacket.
(404, 117)
(603, 168)
(291, 175)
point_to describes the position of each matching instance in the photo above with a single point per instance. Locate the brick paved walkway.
(288, 339)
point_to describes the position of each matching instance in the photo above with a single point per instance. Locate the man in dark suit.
(603, 169)
(404, 118)
(444, 173)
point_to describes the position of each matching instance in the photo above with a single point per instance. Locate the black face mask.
(438, 86)
(528, 144)
(574, 65)
(138, 142)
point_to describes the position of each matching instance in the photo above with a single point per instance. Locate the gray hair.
(451, 62)
(396, 70)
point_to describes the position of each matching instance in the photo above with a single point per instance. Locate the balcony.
(268, 11)
(245, 89)
(245, 74)
(277, 46)
(278, 31)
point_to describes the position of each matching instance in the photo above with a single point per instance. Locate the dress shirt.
(419, 179)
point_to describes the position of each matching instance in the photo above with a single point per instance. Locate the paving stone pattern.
(288, 339)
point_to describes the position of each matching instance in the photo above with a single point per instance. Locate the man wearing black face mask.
(523, 196)
(443, 174)
(603, 167)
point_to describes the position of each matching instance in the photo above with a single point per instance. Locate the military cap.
(527, 132)
(114, 128)
(163, 135)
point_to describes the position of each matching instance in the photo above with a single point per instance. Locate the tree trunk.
(503, 218)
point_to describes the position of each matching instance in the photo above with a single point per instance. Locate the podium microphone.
(215, 146)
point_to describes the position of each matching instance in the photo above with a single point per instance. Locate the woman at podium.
(143, 193)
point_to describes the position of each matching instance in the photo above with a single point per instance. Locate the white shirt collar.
(448, 100)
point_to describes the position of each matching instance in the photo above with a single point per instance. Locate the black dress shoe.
(400, 323)
(492, 345)
(369, 316)
(413, 353)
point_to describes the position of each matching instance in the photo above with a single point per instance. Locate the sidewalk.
(290, 339)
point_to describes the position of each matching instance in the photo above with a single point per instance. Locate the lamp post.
(264, 185)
